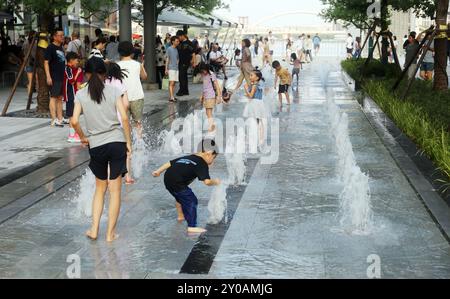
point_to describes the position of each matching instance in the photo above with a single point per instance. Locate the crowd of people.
(303, 47)
(178, 54)
(410, 49)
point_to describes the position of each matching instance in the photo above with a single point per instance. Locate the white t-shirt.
(133, 82)
(215, 55)
(120, 86)
(349, 43)
(299, 45)
(308, 44)
(75, 46)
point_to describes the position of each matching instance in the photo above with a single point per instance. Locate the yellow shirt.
(285, 76)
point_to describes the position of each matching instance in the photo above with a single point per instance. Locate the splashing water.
(355, 206)
(171, 144)
(86, 194)
(217, 205)
(185, 139)
(140, 156)
(235, 164)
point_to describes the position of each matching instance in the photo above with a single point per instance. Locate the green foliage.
(424, 116)
(98, 8)
(375, 69)
(354, 12)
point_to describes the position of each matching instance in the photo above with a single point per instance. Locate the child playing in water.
(73, 78)
(285, 81)
(115, 77)
(297, 67)
(255, 107)
(212, 92)
(181, 172)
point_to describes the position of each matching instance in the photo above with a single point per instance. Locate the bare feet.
(181, 219)
(129, 181)
(113, 238)
(196, 230)
(91, 236)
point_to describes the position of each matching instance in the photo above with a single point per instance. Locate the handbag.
(165, 83)
(197, 79)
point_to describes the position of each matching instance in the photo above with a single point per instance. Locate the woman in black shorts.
(108, 142)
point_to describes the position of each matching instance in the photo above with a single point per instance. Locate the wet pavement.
(283, 224)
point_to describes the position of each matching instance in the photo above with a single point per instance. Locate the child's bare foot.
(112, 238)
(196, 230)
(91, 236)
(181, 219)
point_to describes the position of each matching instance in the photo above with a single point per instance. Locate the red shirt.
(70, 83)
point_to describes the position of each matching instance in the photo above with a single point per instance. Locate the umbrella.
(176, 17)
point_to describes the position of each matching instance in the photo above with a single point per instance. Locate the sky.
(259, 9)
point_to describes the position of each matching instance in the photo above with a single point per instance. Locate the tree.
(354, 12)
(349, 12)
(440, 46)
(47, 10)
(357, 13)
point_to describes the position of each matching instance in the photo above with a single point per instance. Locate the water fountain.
(355, 208)
(235, 164)
(217, 206)
(140, 156)
(170, 143)
(183, 139)
(85, 196)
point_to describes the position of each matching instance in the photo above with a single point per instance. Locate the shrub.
(424, 116)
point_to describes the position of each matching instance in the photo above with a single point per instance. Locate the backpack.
(80, 55)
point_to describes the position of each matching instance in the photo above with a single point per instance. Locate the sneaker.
(77, 138)
(71, 139)
(58, 123)
(74, 138)
(65, 121)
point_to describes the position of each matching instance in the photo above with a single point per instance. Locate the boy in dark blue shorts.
(180, 173)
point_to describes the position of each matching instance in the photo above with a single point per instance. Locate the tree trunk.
(384, 28)
(440, 46)
(150, 18)
(43, 98)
